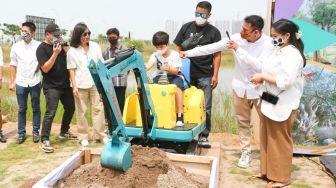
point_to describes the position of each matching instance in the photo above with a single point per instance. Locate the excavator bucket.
(116, 155)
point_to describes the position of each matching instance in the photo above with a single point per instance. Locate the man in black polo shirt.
(51, 57)
(203, 69)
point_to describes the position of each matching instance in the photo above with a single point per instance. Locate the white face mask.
(200, 21)
(278, 42)
(162, 51)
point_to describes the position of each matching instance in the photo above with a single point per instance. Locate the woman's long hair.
(78, 30)
(284, 26)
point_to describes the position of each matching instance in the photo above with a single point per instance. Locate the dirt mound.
(148, 165)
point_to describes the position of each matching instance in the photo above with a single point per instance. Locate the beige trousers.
(243, 109)
(90, 97)
(276, 148)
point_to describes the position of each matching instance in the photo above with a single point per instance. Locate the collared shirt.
(78, 60)
(121, 79)
(23, 57)
(248, 59)
(286, 66)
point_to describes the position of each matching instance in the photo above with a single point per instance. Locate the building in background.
(172, 28)
(223, 26)
(41, 23)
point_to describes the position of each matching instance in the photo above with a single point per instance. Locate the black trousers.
(120, 92)
(53, 96)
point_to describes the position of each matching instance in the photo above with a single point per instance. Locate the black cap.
(52, 28)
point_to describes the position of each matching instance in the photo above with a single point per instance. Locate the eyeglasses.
(246, 31)
(56, 34)
(86, 34)
(202, 15)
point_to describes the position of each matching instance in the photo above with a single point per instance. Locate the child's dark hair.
(284, 26)
(160, 38)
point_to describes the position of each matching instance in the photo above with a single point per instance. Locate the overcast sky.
(141, 17)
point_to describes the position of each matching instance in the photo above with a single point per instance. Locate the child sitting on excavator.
(168, 63)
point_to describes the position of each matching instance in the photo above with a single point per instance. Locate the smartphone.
(269, 97)
(227, 34)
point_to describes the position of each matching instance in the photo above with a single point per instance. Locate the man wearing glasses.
(203, 70)
(251, 47)
(51, 55)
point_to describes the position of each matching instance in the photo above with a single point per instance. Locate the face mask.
(200, 21)
(25, 35)
(55, 40)
(113, 41)
(162, 51)
(278, 42)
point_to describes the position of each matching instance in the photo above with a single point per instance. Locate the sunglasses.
(202, 15)
(86, 34)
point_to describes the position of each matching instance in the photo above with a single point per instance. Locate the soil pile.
(150, 168)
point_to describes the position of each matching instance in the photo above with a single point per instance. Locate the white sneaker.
(105, 140)
(84, 142)
(179, 123)
(245, 159)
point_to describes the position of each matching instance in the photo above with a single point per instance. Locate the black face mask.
(113, 41)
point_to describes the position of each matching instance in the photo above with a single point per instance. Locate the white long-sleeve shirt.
(286, 66)
(23, 57)
(79, 60)
(248, 59)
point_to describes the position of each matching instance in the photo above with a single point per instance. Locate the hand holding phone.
(227, 34)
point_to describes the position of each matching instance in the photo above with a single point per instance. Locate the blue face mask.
(278, 42)
(25, 35)
(55, 40)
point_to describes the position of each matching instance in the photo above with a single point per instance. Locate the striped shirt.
(121, 79)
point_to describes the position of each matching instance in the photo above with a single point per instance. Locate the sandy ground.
(307, 172)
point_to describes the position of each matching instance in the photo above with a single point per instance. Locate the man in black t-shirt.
(51, 56)
(203, 69)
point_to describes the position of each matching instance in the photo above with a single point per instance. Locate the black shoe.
(2, 138)
(21, 139)
(204, 143)
(36, 138)
(68, 135)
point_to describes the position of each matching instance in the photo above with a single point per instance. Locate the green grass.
(19, 179)
(301, 185)
(295, 168)
(222, 111)
(222, 117)
(14, 153)
(234, 169)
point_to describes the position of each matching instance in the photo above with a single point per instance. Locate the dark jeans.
(52, 96)
(22, 98)
(120, 92)
(204, 84)
(177, 80)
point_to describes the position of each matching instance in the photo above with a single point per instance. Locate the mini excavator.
(149, 114)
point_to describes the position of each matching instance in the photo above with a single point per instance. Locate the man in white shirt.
(2, 137)
(251, 48)
(25, 79)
